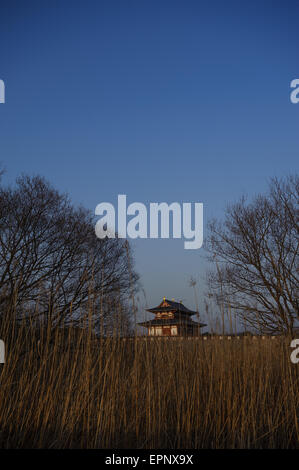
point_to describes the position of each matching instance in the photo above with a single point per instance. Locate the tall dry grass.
(67, 389)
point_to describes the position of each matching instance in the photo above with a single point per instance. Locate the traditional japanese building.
(172, 319)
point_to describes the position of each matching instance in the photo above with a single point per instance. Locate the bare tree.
(256, 250)
(51, 263)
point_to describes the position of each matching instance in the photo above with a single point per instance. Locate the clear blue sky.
(160, 100)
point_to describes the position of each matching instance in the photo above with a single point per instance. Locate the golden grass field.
(67, 389)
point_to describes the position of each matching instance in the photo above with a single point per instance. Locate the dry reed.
(65, 388)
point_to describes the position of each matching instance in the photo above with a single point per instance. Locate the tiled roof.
(173, 306)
